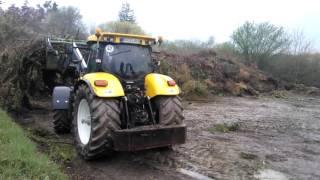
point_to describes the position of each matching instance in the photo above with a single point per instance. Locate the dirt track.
(275, 137)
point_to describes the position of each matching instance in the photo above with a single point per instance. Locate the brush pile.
(208, 73)
(21, 75)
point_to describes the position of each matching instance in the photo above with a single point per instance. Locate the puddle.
(269, 174)
(194, 175)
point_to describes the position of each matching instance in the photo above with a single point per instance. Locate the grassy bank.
(19, 158)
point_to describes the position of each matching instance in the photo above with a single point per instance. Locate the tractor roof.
(123, 38)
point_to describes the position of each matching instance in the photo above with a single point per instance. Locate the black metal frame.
(126, 120)
(150, 111)
(149, 137)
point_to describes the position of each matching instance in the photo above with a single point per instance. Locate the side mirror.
(98, 33)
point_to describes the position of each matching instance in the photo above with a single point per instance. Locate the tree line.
(27, 22)
(267, 46)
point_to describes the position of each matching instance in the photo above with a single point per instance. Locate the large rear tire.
(94, 121)
(61, 122)
(169, 110)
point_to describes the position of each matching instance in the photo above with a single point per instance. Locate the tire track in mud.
(281, 134)
(197, 155)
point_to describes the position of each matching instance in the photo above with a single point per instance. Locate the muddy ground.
(228, 138)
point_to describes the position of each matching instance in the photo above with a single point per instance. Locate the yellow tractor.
(118, 102)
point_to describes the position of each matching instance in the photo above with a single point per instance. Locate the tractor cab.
(128, 57)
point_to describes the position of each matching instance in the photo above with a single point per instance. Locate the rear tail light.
(101, 83)
(171, 83)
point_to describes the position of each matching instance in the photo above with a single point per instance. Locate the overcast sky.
(199, 19)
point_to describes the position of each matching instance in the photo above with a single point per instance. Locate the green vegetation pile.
(22, 55)
(21, 75)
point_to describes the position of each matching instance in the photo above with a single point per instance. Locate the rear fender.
(61, 97)
(157, 84)
(113, 89)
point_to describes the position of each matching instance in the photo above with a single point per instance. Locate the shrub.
(225, 48)
(187, 46)
(225, 128)
(122, 27)
(183, 76)
(260, 41)
(301, 69)
(195, 88)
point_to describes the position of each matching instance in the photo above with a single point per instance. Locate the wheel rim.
(84, 121)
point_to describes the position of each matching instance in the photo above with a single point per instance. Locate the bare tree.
(300, 44)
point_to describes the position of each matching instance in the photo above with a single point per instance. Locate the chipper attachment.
(148, 137)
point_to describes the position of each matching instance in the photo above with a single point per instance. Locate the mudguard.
(61, 97)
(113, 89)
(157, 84)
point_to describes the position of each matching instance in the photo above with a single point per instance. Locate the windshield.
(127, 61)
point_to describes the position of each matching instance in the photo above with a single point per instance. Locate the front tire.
(61, 121)
(94, 121)
(169, 110)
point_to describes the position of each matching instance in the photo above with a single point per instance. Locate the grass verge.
(19, 158)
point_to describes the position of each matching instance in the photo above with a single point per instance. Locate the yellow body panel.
(113, 89)
(142, 40)
(156, 84)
